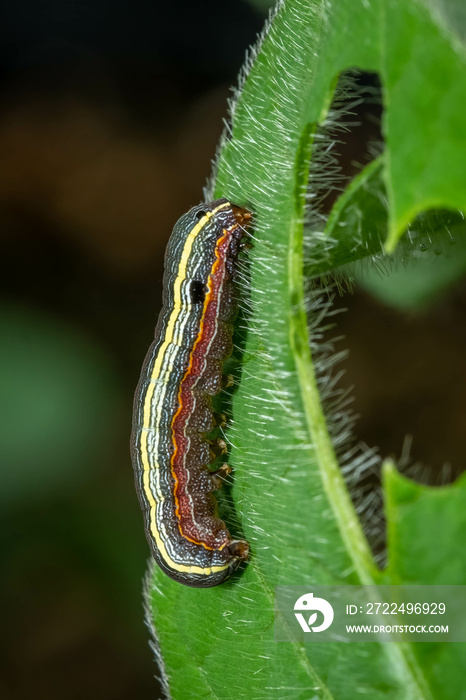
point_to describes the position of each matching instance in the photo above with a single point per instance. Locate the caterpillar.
(172, 406)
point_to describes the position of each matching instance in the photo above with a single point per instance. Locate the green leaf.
(421, 272)
(356, 226)
(418, 517)
(425, 546)
(426, 94)
(289, 493)
(425, 265)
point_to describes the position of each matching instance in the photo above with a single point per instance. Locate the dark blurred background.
(110, 113)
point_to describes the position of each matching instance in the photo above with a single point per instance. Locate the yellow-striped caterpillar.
(172, 406)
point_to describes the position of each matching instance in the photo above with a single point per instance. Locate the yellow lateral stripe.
(161, 354)
(147, 410)
(173, 564)
(181, 274)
